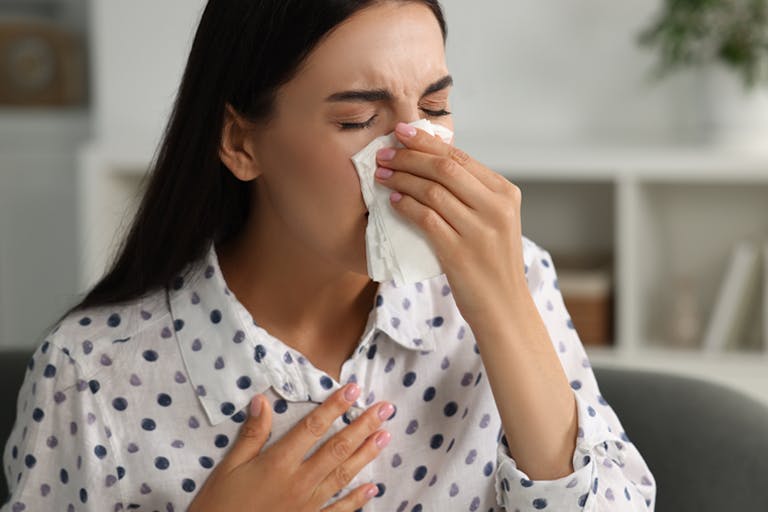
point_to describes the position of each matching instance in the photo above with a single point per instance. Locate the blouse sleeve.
(59, 456)
(609, 472)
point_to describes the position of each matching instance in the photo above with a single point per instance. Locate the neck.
(309, 303)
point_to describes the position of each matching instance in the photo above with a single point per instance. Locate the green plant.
(695, 32)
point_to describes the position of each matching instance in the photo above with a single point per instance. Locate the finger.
(354, 500)
(252, 435)
(340, 477)
(437, 169)
(458, 215)
(341, 446)
(443, 237)
(423, 141)
(296, 442)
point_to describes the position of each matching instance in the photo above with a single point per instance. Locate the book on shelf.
(765, 295)
(735, 299)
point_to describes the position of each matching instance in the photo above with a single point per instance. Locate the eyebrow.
(384, 94)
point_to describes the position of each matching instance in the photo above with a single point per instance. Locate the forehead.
(394, 45)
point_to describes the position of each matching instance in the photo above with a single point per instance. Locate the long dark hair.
(243, 51)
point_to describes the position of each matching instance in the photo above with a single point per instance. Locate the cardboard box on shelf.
(586, 284)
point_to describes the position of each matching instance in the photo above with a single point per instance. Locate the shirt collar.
(230, 358)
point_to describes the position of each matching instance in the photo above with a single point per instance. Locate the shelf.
(689, 231)
(30, 129)
(685, 163)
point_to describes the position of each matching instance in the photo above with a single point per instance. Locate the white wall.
(139, 52)
(563, 73)
(535, 73)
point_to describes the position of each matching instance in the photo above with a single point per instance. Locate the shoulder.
(100, 337)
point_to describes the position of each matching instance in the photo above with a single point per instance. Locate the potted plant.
(728, 41)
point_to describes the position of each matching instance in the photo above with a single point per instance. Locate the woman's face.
(305, 172)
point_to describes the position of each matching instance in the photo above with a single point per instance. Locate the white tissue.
(396, 249)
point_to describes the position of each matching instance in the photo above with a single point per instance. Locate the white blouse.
(129, 407)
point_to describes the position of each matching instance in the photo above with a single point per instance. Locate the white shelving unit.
(661, 212)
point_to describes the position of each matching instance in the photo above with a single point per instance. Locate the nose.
(405, 111)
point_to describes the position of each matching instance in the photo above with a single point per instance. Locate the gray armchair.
(706, 444)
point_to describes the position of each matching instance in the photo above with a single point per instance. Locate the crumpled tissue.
(396, 249)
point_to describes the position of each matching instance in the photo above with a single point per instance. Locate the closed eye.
(369, 123)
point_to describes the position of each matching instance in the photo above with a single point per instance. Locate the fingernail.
(405, 129)
(351, 392)
(386, 153)
(383, 438)
(372, 491)
(255, 406)
(383, 172)
(395, 196)
(385, 411)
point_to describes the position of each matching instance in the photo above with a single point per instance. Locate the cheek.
(328, 167)
(318, 179)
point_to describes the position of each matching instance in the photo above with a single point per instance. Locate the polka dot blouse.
(131, 407)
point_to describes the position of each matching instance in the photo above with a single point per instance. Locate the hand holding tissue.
(395, 248)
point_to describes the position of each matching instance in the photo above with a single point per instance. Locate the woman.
(237, 357)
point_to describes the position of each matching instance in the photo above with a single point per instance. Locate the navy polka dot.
(280, 406)
(113, 320)
(259, 353)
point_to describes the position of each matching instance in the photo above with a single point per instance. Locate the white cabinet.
(38, 198)
(661, 213)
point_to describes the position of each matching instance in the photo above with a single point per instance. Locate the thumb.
(253, 432)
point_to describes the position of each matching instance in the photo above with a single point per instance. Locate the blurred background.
(637, 132)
